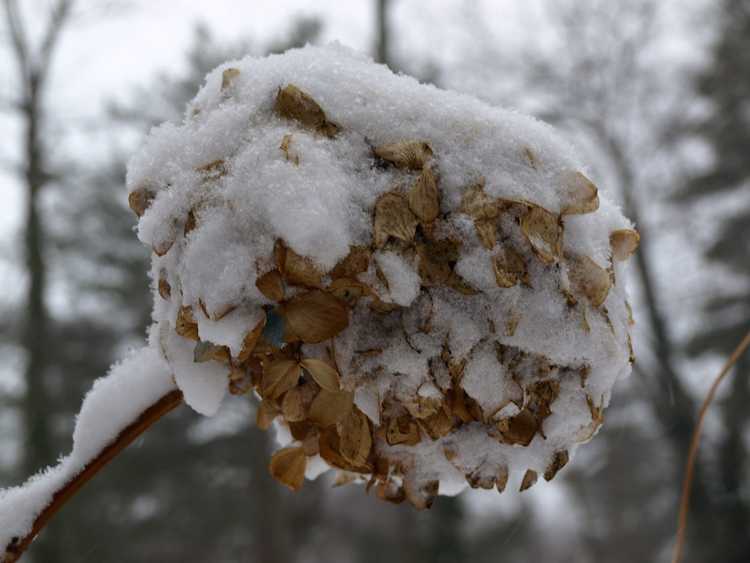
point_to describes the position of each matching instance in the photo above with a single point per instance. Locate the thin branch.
(148, 417)
(695, 441)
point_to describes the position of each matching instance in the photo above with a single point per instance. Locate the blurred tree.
(725, 84)
(33, 59)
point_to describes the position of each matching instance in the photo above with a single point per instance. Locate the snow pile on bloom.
(423, 290)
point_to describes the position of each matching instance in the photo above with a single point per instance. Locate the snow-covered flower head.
(423, 290)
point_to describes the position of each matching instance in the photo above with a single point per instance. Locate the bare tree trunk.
(33, 65)
(382, 33)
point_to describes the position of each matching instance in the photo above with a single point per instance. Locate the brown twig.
(693, 452)
(148, 417)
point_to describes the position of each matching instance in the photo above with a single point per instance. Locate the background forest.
(656, 94)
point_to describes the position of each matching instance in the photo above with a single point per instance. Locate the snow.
(113, 403)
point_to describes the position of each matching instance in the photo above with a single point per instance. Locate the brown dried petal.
(288, 467)
(293, 103)
(580, 194)
(588, 278)
(251, 339)
(478, 205)
(624, 243)
(437, 425)
(207, 351)
(402, 430)
(285, 146)
(186, 325)
(323, 373)
(271, 285)
(278, 377)
(559, 460)
(412, 155)
(329, 407)
(356, 262)
(544, 232)
(165, 290)
(292, 406)
(267, 411)
(228, 76)
(393, 219)
(316, 316)
(486, 232)
(355, 439)
(301, 270)
(140, 199)
(509, 268)
(501, 479)
(421, 494)
(390, 491)
(424, 198)
(529, 479)
(519, 429)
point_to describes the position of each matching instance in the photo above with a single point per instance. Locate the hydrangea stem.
(144, 421)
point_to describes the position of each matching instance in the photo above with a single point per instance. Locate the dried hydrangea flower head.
(424, 291)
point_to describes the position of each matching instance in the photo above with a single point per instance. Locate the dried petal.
(424, 198)
(355, 263)
(624, 243)
(519, 429)
(165, 290)
(323, 373)
(580, 194)
(355, 439)
(544, 232)
(292, 406)
(316, 316)
(421, 494)
(530, 157)
(412, 155)
(285, 146)
(486, 232)
(228, 76)
(140, 199)
(509, 268)
(288, 467)
(207, 351)
(251, 339)
(478, 205)
(330, 407)
(501, 479)
(393, 219)
(559, 460)
(185, 325)
(293, 103)
(278, 377)
(402, 430)
(267, 411)
(529, 479)
(214, 169)
(271, 285)
(301, 270)
(588, 278)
